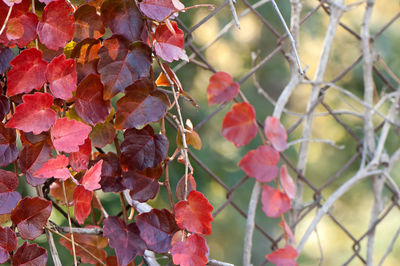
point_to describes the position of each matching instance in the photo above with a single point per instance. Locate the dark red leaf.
(28, 72)
(180, 187)
(31, 159)
(261, 163)
(80, 160)
(30, 216)
(8, 149)
(34, 114)
(68, 135)
(6, 55)
(8, 181)
(102, 134)
(8, 242)
(194, 214)
(28, 138)
(123, 18)
(88, 23)
(30, 254)
(53, 31)
(62, 76)
(160, 9)
(8, 201)
(239, 125)
(287, 183)
(18, 9)
(193, 251)
(125, 239)
(142, 149)
(91, 179)
(95, 244)
(110, 173)
(274, 202)
(142, 104)
(142, 187)
(276, 133)
(20, 30)
(86, 56)
(89, 103)
(82, 200)
(168, 45)
(156, 229)
(121, 64)
(56, 168)
(222, 88)
(4, 102)
(286, 256)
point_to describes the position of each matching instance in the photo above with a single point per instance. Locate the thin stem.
(6, 20)
(69, 223)
(121, 197)
(166, 172)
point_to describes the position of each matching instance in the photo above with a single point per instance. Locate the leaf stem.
(69, 223)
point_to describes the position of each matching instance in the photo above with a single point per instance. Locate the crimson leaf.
(221, 88)
(62, 76)
(169, 45)
(82, 202)
(56, 168)
(30, 254)
(68, 135)
(193, 251)
(274, 202)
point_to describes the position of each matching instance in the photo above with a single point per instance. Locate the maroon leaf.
(8, 150)
(193, 251)
(91, 179)
(8, 242)
(80, 160)
(194, 214)
(8, 181)
(89, 103)
(82, 200)
(68, 135)
(30, 254)
(88, 23)
(121, 64)
(110, 173)
(30, 216)
(156, 229)
(261, 163)
(142, 149)
(28, 72)
(55, 32)
(56, 168)
(142, 187)
(125, 239)
(169, 45)
(276, 133)
(274, 202)
(34, 114)
(8, 201)
(222, 88)
(123, 18)
(142, 104)
(286, 256)
(62, 76)
(4, 102)
(86, 56)
(102, 134)
(160, 9)
(239, 125)
(180, 187)
(6, 55)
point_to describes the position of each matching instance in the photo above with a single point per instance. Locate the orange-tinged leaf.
(222, 88)
(56, 190)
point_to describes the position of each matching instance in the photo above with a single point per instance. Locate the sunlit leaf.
(82, 201)
(91, 179)
(80, 160)
(68, 135)
(287, 182)
(276, 133)
(192, 251)
(286, 256)
(62, 76)
(274, 202)
(169, 45)
(56, 168)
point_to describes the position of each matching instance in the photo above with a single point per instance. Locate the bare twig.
(234, 14)
(6, 20)
(69, 223)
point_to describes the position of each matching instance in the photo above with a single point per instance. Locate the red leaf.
(142, 149)
(193, 251)
(160, 9)
(88, 23)
(8, 201)
(80, 160)
(180, 187)
(68, 135)
(110, 173)
(288, 231)
(30, 254)
(168, 45)
(82, 200)
(142, 104)
(121, 64)
(194, 214)
(56, 168)
(286, 256)
(62, 76)
(89, 103)
(156, 229)
(28, 72)
(30, 216)
(274, 202)
(8, 181)
(34, 114)
(8, 242)
(102, 134)
(261, 163)
(239, 125)
(53, 31)
(142, 187)
(91, 179)
(222, 88)
(123, 18)
(125, 239)
(8, 150)
(86, 56)
(20, 30)
(95, 244)
(287, 183)
(276, 133)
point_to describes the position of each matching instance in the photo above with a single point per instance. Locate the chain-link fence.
(341, 118)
